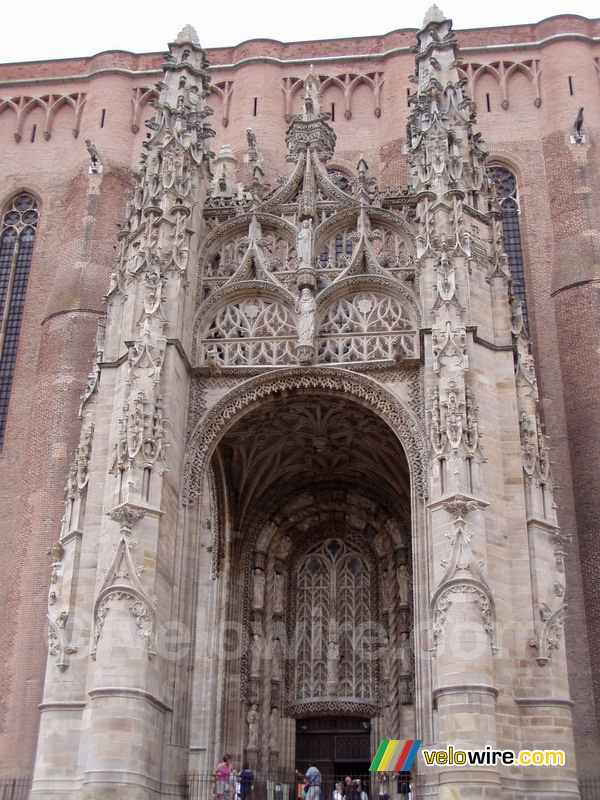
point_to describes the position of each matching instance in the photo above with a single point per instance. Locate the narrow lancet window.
(17, 236)
(508, 197)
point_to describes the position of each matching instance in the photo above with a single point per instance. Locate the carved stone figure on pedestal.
(278, 593)
(306, 307)
(252, 720)
(258, 589)
(403, 579)
(304, 244)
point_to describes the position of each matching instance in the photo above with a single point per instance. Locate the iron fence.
(281, 787)
(286, 787)
(15, 788)
(589, 788)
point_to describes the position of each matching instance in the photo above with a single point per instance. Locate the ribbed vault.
(296, 444)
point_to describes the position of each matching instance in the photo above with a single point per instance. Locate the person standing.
(222, 778)
(246, 778)
(312, 782)
(360, 791)
(349, 791)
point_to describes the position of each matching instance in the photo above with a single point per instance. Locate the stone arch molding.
(247, 394)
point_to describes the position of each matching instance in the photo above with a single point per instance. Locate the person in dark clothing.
(246, 777)
(349, 789)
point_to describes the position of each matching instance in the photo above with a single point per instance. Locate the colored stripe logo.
(395, 755)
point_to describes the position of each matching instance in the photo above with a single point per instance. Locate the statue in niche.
(258, 588)
(278, 593)
(273, 718)
(385, 659)
(152, 297)
(304, 244)
(405, 653)
(403, 578)
(306, 307)
(252, 720)
(255, 653)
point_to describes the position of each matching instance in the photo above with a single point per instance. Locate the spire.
(188, 35)
(434, 14)
(312, 106)
(310, 128)
(446, 155)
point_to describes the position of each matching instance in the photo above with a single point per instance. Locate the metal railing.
(15, 788)
(286, 787)
(589, 788)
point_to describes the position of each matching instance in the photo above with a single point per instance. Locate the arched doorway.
(314, 499)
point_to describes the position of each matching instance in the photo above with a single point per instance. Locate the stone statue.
(95, 162)
(385, 659)
(252, 720)
(273, 727)
(306, 307)
(577, 136)
(258, 588)
(403, 579)
(251, 138)
(278, 593)
(405, 653)
(304, 243)
(255, 654)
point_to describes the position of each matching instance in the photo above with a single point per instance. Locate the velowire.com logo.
(395, 755)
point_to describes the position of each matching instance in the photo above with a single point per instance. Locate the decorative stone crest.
(122, 582)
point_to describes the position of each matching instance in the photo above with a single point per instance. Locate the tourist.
(222, 778)
(246, 777)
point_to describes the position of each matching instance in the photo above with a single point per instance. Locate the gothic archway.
(309, 477)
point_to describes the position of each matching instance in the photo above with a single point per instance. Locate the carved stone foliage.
(358, 386)
(453, 421)
(50, 105)
(141, 434)
(58, 645)
(534, 444)
(550, 636)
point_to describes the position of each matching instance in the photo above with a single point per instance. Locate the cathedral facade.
(331, 477)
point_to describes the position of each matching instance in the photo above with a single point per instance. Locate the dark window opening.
(506, 188)
(487, 102)
(570, 79)
(255, 110)
(17, 237)
(102, 117)
(33, 133)
(333, 112)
